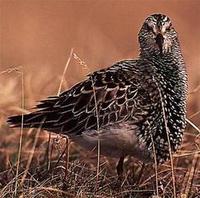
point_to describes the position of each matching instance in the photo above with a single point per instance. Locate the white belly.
(115, 141)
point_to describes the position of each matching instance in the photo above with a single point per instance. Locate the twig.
(170, 150)
(81, 62)
(168, 140)
(191, 173)
(19, 70)
(58, 93)
(193, 125)
(60, 157)
(31, 156)
(54, 190)
(98, 143)
(67, 156)
(187, 189)
(156, 165)
(11, 69)
(48, 154)
(195, 90)
(21, 132)
(194, 114)
(64, 72)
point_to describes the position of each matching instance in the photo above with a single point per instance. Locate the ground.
(35, 163)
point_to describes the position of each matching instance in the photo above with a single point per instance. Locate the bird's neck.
(152, 53)
(169, 74)
(168, 65)
(169, 69)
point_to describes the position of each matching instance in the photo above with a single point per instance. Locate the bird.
(135, 107)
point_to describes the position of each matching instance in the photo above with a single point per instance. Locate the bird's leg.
(140, 173)
(120, 167)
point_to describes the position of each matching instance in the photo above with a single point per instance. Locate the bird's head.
(157, 35)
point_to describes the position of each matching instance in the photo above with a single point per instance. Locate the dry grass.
(34, 164)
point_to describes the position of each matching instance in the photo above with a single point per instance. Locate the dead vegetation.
(36, 164)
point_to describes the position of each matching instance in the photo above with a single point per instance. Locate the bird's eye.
(148, 27)
(169, 27)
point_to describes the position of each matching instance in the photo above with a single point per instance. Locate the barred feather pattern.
(133, 92)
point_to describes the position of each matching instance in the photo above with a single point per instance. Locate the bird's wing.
(105, 97)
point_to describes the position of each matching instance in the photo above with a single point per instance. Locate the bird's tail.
(42, 118)
(32, 120)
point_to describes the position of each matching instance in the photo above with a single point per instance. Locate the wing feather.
(110, 92)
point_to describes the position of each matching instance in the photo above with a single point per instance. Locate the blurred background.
(38, 35)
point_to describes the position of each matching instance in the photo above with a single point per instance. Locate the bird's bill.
(163, 43)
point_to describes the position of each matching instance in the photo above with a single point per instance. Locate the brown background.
(38, 34)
